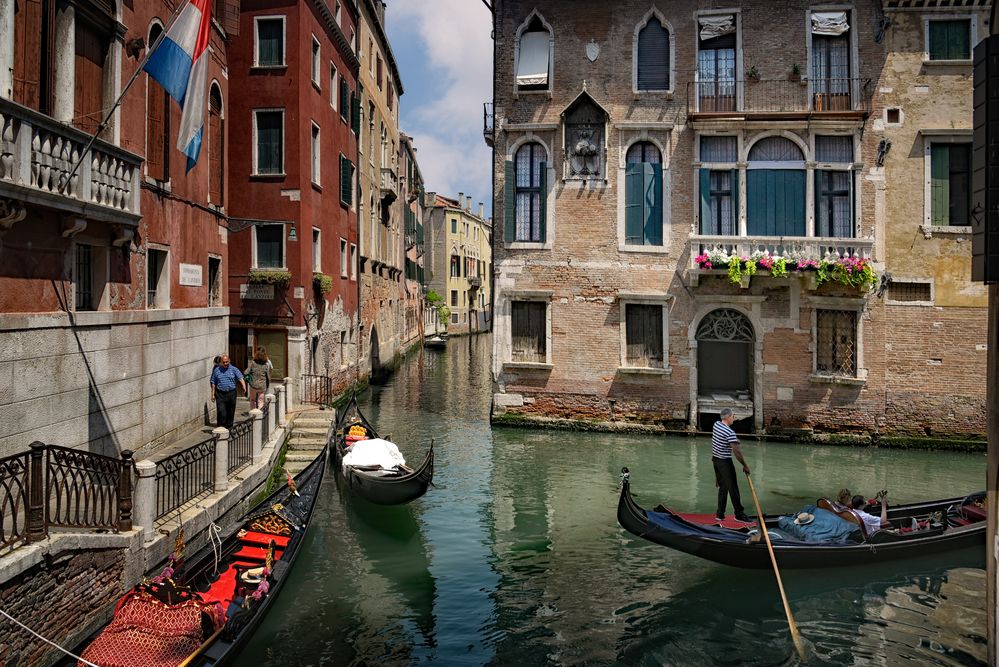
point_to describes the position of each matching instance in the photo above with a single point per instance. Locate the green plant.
(322, 282)
(779, 269)
(436, 302)
(795, 70)
(277, 278)
(739, 267)
(753, 73)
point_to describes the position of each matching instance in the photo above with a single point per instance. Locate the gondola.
(437, 341)
(200, 615)
(918, 529)
(374, 484)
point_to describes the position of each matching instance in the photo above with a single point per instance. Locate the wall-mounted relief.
(592, 50)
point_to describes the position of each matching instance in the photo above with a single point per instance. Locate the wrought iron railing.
(828, 95)
(317, 390)
(789, 247)
(14, 484)
(488, 123)
(83, 488)
(265, 424)
(184, 476)
(240, 445)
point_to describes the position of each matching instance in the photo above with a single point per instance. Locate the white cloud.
(447, 126)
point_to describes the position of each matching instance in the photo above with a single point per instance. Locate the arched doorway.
(725, 367)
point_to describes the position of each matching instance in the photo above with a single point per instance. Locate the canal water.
(516, 556)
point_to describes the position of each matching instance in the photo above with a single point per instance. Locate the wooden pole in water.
(795, 635)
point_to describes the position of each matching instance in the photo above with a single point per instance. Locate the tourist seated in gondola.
(871, 523)
(843, 499)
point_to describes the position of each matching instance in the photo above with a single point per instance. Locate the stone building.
(111, 299)
(412, 201)
(701, 208)
(293, 285)
(380, 208)
(459, 256)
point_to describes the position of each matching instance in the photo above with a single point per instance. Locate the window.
(353, 261)
(344, 258)
(378, 71)
(830, 61)
(157, 278)
(455, 266)
(948, 39)
(34, 60)
(775, 188)
(644, 343)
(950, 184)
(454, 318)
(334, 90)
(533, 53)
(317, 251)
(652, 57)
(268, 247)
(93, 35)
(836, 342)
(716, 62)
(216, 147)
(919, 293)
(719, 187)
(346, 181)
(269, 41)
(316, 156)
(454, 226)
(214, 281)
(344, 99)
(268, 126)
(643, 212)
(337, 13)
(526, 192)
(315, 61)
(834, 187)
(157, 123)
(389, 96)
(454, 298)
(528, 331)
(85, 292)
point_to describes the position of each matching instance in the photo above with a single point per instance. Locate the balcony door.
(775, 188)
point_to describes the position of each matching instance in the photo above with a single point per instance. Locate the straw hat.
(804, 518)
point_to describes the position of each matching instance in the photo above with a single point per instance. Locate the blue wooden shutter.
(791, 183)
(775, 202)
(634, 205)
(704, 179)
(509, 203)
(652, 186)
(543, 205)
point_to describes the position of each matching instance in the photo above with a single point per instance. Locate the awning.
(532, 69)
(829, 23)
(716, 25)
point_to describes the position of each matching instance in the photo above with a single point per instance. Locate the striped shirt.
(226, 379)
(722, 437)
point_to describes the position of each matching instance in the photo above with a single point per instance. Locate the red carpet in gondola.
(710, 520)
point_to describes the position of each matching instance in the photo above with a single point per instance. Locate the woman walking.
(258, 375)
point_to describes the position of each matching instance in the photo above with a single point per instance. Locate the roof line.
(389, 56)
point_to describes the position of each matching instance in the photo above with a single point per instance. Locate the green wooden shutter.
(652, 186)
(707, 224)
(735, 202)
(940, 184)
(821, 225)
(634, 205)
(509, 203)
(355, 112)
(938, 40)
(791, 183)
(344, 99)
(776, 202)
(756, 202)
(543, 204)
(959, 40)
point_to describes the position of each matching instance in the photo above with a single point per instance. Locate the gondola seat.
(847, 514)
(974, 513)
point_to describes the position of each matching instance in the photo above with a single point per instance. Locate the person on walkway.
(224, 381)
(724, 444)
(258, 375)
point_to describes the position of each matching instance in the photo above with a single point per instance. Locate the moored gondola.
(918, 529)
(393, 486)
(201, 614)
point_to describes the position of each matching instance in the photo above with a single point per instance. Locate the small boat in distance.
(437, 341)
(918, 529)
(392, 486)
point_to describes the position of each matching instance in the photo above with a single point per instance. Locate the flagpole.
(121, 96)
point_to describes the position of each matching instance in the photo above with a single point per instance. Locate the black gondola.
(376, 485)
(204, 621)
(942, 525)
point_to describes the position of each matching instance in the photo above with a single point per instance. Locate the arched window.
(643, 213)
(526, 189)
(652, 60)
(157, 122)
(775, 188)
(534, 55)
(216, 147)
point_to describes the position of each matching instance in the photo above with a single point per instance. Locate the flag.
(180, 64)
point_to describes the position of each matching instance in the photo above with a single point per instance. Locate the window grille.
(902, 291)
(836, 348)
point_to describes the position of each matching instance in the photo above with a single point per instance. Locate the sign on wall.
(190, 275)
(260, 292)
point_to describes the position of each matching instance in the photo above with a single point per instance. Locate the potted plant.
(275, 277)
(795, 74)
(753, 74)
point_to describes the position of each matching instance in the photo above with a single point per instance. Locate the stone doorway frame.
(749, 306)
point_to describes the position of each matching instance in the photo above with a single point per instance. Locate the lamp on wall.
(292, 234)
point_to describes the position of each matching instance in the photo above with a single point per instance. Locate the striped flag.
(180, 65)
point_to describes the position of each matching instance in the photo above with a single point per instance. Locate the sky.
(444, 53)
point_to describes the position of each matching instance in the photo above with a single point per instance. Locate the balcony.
(792, 248)
(389, 185)
(488, 123)
(37, 153)
(779, 98)
(475, 282)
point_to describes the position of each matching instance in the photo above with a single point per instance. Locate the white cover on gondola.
(374, 452)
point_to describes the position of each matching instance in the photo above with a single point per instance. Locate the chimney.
(461, 199)
(482, 211)
(468, 203)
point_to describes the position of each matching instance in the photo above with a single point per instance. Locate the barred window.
(644, 335)
(836, 338)
(528, 328)
(904, 291)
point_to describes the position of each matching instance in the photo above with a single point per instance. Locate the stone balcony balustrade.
(389, 184)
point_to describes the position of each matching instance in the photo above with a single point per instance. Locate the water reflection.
(515, 557)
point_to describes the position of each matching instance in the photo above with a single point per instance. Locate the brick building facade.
(688, 195)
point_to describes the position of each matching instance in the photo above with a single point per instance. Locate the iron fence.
(240, 445)
(826, 95)
(83, 489)
(317, 390)
(265, 426)
(14, 484)
(184, 476)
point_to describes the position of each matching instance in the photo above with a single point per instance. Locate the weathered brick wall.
(62, 600)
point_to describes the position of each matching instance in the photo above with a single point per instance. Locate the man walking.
(224, 380)
(724, 444)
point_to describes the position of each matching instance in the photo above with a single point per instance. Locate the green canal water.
(516, 556)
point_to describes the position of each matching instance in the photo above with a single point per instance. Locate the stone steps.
(307, 438)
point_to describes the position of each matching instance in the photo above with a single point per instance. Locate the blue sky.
(444, 53)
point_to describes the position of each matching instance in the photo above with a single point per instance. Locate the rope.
(50, 643)
(215, 536)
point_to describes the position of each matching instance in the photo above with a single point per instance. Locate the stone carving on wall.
(584, 138)
(593, 50)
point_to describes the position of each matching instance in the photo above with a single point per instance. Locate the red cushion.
(975, 513)
(253, 537)
(252, 553)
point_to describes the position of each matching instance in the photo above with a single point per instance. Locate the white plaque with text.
(261, 292)
(190, 275)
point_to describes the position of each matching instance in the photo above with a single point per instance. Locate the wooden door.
(91, 54)
(276, 343)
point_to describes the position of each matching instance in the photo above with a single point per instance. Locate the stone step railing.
(790, 247)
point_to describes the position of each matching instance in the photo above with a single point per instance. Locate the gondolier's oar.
(795, 635)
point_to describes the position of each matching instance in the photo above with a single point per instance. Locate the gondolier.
(724, 444)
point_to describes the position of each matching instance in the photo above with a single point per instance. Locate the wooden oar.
(795, 635)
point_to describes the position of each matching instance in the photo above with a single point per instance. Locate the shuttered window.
(719, 189)
(344, 99)
(528, 328)
(836, 342)
(269, 142)
(643, 195)
(216, 148)
(644, 335)
(775, 203)
(157, 123)
(346, 181)
(270, 42)
(950, 184)
(92, 44)
(526, 194)
(34, 30)
(355, 113)
(949, 40)
(653, 57)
